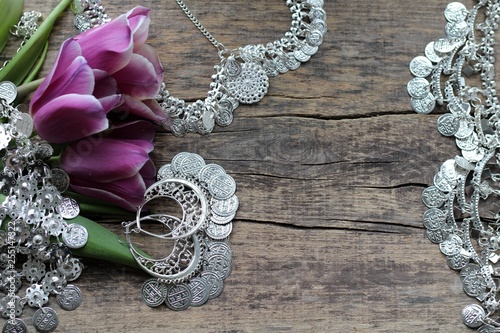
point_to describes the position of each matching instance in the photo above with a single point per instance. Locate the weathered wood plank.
(329, 167)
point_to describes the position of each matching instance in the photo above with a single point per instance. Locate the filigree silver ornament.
(183, 278)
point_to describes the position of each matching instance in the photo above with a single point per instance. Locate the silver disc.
(219, 231)
(448, 124)
(199, 290)
(45, 320)
(423, 105)
(179, 297)
(222, 186)
(434, 218)
(153, 292)
(421, 66)
(225, 207)
(8, 91)
(75, 236)
(68, 208)
(219, 264)
(70, 298)
(418, 87)
(473, 315)
(15, 325)
(215, 284)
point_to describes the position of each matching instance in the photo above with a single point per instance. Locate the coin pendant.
(45, 320)
(423, 105)
(68, 208)
(70, 298)
(75, 236)
(165, 172)
(191, 165)
(219, 231)
(199, 290)
(222, 187)
(60, 179)
(473, 315)
(153, 292)
(219, 264)
(179, 297)
(15, 325)
(421, 66)
(225, 207)
(455, 12)
(451, 246)
(24, 125)
(442, 183)
(432, 197)
(418, 87)
(8, 91)
(232, 67)
(434, 218)
(215, 285)
(448, 124)
(431, 54)
(209, 172)
(457, 261)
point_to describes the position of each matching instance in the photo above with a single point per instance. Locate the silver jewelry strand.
(200, 259)
(37, 219)
(243, 74)
(25, 28)
(463, 214)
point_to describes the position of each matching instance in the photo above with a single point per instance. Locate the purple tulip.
(113, 166)
(107, 68)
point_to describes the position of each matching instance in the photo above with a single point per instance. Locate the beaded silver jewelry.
(463, 216)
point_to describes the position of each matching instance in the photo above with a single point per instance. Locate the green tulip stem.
(27, 88)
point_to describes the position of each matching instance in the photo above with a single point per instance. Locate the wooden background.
(330, 166)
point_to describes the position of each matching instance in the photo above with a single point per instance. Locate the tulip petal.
(107, 47)
(70, 117)
(138, 78)
(148, 173)
(139, 21)
(103, 159)
(126, 193)
(105, 85)
(142, 109)
(136, 130)
(78, 78)
(150, 53)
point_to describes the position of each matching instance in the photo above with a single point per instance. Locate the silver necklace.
(463, 214)
(243, 74)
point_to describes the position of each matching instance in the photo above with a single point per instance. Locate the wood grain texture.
(329, 165)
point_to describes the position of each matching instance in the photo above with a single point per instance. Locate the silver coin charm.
(219, 231)
(8, 91)
(68, 208)
(179, 297)
(423, 105)
(60, 179)
(421, 66)
(69, 298)
(225, 207)
(455, 12)
(473, 315)
(24, 125)
(432, 197)
(418, 87)
(209, 172)
(451, 246)
(153, 292)
(45, 320)
(199, 291)
(434, 218)
(448, 124)
(219, 264)
(75, 236)
(15, 325)
(222, 187)
(232, 67)
(215, 284)
(165, 172)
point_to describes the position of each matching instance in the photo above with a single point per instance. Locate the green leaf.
(22, 63)
(10, 13)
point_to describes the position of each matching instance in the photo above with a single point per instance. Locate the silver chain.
(197, 23)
